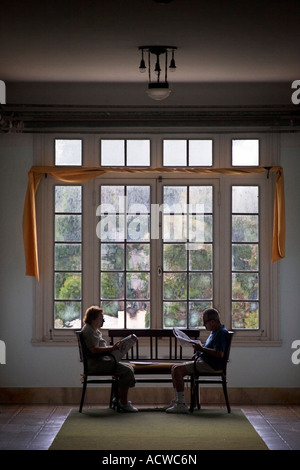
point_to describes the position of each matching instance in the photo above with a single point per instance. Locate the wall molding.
(67, 118)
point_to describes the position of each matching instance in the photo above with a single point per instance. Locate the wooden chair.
(217, 377)
(83, 355)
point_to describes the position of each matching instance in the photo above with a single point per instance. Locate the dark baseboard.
(149, 395)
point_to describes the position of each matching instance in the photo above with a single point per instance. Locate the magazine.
(125, 346)
(184, 339)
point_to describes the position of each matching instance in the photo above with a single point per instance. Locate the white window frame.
(267, 335)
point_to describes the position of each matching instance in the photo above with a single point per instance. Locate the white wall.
(36, 366)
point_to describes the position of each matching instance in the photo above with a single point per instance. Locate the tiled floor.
(33, 427)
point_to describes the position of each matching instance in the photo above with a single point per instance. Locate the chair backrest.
(83, 351)
(227, 350)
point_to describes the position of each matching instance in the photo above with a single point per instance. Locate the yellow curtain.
(82, 174)
(278, 248)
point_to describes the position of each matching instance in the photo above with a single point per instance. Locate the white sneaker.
(114, 401)
(128, 407)
(173, 402)
(178, 408)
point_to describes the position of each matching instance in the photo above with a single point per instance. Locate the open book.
(125, 346)
(184, 339)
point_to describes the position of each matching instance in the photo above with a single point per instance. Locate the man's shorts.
(201, 366)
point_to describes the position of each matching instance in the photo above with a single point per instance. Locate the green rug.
(105, 429)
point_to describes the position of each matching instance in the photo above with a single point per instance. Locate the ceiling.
(51, 50)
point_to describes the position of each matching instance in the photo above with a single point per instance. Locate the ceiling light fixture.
(158, 90)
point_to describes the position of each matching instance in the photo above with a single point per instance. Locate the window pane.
(175, 314)
(200, 257)
(138, 257)
(68, 228)
(68, 152)
(175, 199)
(113, 313)
(245, 257)
(138, 152)
(245, 152)
(200, 152)
(112, 152)
(112, 286)
(67, 314)
(175, 228)
(200, 286)
(175, 286)
(245, 286)
(112, 256)
(138, 199)
(201, 199)
(68, 199)
(175, 257)
(245, 315)
(111, 228)
(245, 199)
(137, 286)
(137, 315)
(175, 153)
(200, 228)
(196, 310)
(244, 228)
(68, 286)
(112, 199)
(67, 257)
(138, 228)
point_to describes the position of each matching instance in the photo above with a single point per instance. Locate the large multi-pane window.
(154, 244)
